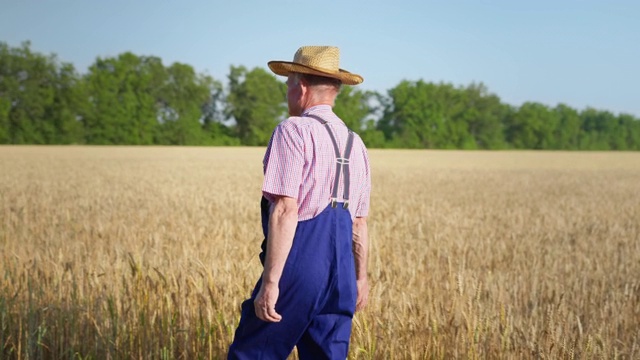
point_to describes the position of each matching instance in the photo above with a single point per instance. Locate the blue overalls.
(317, 289)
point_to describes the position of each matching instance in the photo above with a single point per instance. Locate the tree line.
(137, 100)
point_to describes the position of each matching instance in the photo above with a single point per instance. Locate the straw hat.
(316, 60)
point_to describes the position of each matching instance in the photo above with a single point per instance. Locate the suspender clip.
(334, 203)
(346, 204)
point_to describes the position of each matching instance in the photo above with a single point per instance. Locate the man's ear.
(303, 83)
(304, 86)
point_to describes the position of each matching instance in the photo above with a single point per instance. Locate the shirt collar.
(316, 109)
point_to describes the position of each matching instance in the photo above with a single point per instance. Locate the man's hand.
(363, 294)
(265, 303)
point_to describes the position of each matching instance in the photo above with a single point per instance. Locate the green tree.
(532, 126)
(352, 107)
(134, 99)
(597, 126)
(484, 113)
(405, 122)
(256, 103)
(427, 115)
(123, 106)
(456, 116)
(137, 100)
(357, 109)
(632, 131)
(618, 133)
(214, 118)
(567, 133)
(69, 103)
(5, 101)
(39, 98)
(184, 99)
(28, 80)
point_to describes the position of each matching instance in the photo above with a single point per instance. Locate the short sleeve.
(362, 210)
(284, 163)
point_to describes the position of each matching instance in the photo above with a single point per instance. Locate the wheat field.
(147, 252)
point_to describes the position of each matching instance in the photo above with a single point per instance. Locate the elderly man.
(315, 203)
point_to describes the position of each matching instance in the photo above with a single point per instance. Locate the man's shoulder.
(359, 143)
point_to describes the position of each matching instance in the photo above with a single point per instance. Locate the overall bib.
(317, 289)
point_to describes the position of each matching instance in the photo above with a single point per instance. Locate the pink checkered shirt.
(300, 162)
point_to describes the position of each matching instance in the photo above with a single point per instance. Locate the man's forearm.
(360, 247)
(283, 220)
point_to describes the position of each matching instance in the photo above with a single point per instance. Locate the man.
(315, 203)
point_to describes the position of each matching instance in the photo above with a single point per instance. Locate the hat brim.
(284, 68)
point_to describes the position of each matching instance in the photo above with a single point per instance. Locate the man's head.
(305, 91)
(314, 77)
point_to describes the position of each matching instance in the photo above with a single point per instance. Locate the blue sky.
(581, 53)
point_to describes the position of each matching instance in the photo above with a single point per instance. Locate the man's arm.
(361, 253)
(283, 220)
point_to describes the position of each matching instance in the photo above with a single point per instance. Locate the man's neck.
(318, 103)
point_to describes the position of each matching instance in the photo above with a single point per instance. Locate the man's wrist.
(269, 281)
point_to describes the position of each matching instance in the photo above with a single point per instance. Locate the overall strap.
(342, 164)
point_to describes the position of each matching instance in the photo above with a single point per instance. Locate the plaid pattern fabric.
(300, 163)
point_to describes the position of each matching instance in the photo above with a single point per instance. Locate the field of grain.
(143, 252)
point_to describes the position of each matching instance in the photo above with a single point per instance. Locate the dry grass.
(141, 252)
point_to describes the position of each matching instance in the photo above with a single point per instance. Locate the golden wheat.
(143, 252)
